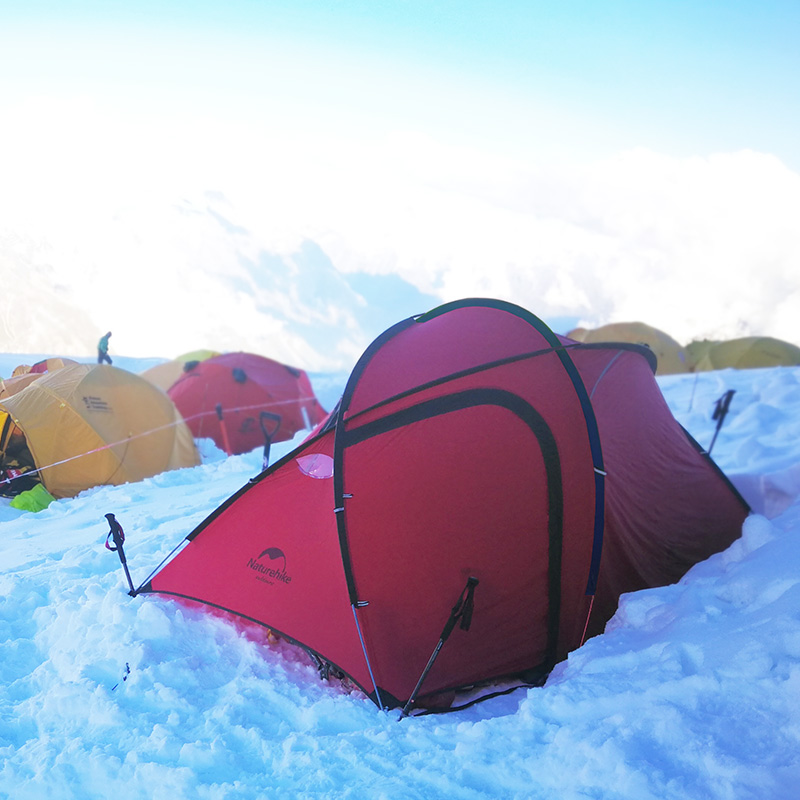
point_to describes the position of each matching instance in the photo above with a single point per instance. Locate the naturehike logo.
(270, 566)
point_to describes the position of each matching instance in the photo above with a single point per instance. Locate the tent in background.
(45, 365)
(51, 364)
(241, 399)
(672, 357)
(23, 375)
(749, 352)
(88, 425)
(479, 483)
(166, 374)
(9, 386)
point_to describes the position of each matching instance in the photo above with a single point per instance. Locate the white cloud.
(697, 247)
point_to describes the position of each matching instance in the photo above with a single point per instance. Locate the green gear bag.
(34, 499)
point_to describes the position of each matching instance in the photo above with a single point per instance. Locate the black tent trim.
(470, 399)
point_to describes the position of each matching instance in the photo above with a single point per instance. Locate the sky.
(596, 162)
(692, 691)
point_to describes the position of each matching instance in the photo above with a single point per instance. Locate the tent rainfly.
(166, 374)
(243, 401)
(483, 493)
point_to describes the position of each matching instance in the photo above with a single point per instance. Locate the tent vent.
(239, 375)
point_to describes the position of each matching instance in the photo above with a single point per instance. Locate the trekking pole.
(268, 435)
(225, 441)
(720, 412)
(461, 610)
(118, 536)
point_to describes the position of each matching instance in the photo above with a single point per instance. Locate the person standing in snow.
(102, 349)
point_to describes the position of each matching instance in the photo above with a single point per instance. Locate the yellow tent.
(45, 365)
(672, 357)
(748, 352)
(164, 375)
(9, 386)
(89, 425)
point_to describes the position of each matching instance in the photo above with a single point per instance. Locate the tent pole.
(461, 610)
(366, 658)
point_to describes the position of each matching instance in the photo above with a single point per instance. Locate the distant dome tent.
(45, 365)
(52, 364)
(482, 481)
(671, 355)
(748, 352)
(17, 383)
(166, 374)
(239, 400)
(88, 425)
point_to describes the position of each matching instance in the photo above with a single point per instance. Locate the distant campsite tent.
(166, 374)
(243, 388)
(45, 365)
(9, 386)
(88, 425)
(474, 472)
(51, 364)
(749, 352)
(672, 357)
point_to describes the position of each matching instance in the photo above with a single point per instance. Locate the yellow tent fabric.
(9, 386)
(747, 352)
(90, 424)
(164, 375)
(672, 356)
(45, 365)
(198, 355)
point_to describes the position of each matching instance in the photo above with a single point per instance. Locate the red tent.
(485, 487)
(240, 399)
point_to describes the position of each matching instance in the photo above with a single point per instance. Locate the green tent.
(749, 352)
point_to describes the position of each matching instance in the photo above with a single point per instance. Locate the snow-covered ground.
(693, 691)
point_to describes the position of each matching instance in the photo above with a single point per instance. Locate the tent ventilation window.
(316, 465)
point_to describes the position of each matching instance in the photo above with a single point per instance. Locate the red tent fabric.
(480, 474)
(238, 399)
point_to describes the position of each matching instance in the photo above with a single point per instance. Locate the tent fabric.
(165, 375)
(470, 443)
(245, 386)
(45, 365)
(672, 356)
(10, 386)
(87, 425)
(749, 352)
(51, 364)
